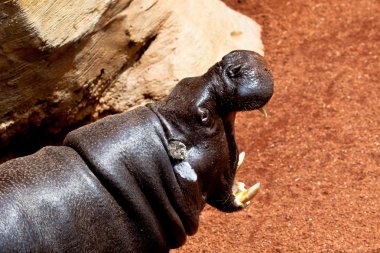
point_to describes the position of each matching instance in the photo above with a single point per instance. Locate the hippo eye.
(204, 115)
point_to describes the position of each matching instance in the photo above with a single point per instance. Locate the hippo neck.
(191, 190)
(149, 192)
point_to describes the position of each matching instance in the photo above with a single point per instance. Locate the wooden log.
(62, 61)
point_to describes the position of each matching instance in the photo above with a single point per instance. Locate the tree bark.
(62, 61)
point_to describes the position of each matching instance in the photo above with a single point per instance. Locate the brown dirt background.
(318, 154)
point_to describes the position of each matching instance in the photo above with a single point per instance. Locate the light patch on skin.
(185, 170)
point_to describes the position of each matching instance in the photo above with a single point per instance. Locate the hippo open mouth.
(242, 195)
(236, 196)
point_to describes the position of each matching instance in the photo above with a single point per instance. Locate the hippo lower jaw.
(237, 196)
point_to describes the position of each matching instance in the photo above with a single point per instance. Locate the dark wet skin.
(136, 181)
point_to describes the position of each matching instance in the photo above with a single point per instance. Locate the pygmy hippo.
(136, 181)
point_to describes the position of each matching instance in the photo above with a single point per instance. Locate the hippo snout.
(247, 81)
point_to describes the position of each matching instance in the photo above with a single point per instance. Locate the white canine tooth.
(238, 188)
(263, 111)
(242, 195)
(251, 193)
(241, 159)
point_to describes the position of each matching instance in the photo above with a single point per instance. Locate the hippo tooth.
(263, 111)
(241, 159)
(243, 196)
(250, 194)
(238, 188)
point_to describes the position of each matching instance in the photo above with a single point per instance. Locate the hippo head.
(199, 117)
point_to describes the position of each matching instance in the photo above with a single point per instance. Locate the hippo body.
(116, 191)
(135, 181)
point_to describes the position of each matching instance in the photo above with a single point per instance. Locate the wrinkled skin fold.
(136, 181)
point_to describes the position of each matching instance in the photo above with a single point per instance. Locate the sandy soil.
(318, 154)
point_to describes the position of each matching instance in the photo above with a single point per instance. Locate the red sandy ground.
(318, 154)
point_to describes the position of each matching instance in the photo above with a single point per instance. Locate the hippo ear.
(233, 70)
